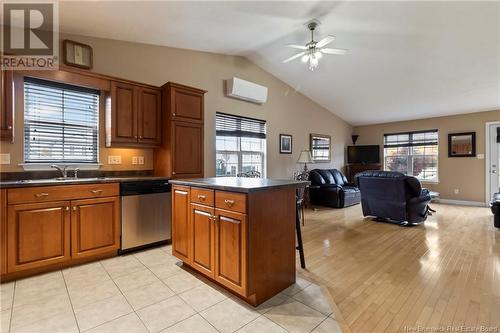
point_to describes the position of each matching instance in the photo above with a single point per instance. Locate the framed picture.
(77, 54)
(320, 145)
(462, 144)
(285, 144)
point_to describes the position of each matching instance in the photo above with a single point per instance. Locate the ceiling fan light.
(318, 54)
(314, 61)
(305, 58)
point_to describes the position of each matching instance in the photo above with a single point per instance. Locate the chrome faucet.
(63, 170)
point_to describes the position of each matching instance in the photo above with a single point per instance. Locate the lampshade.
(305, 157)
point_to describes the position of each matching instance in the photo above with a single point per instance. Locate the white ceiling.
(407, 60)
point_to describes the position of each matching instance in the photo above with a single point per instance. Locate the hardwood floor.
(388, 278)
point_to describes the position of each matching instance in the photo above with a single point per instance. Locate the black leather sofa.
(329, 187)
(495, 208)
(392, 196)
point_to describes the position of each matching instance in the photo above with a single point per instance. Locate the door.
(231, 250)
(187, 150)
(6, 105)
(123, 113)
(494, 159)
(38, 235)
(203, 223)
(149, 116)
(186, 103)
(95, 226)
(181, 228)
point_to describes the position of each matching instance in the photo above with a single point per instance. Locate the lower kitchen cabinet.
(231, 250)
(95, 226)
(38, 235)
(51, 227)
(181, 229)
(203, 224)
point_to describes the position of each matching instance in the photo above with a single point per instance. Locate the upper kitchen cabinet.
(134, 119)
(6, 106)
(181, 152)
(184, 103)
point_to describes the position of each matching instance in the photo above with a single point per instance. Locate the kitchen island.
(239, 232)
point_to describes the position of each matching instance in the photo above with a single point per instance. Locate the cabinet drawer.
(202, 196)
(61, 192)
(231, 201)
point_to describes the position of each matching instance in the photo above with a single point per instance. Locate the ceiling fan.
(313, 51)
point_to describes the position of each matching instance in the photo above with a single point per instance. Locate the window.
(60, 123)
(413, 153)
(240, 145)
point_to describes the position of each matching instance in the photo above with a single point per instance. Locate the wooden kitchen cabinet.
(95, 226)
(181, 151)
(231, 250)
(135, 116)
(203, 237)
(6, 105)
(49, 227)
(181, 229)
(38, 235)
(3, 231)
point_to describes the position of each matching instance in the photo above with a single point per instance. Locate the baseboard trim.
(461, 202)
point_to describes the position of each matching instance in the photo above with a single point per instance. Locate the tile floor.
(151, 292)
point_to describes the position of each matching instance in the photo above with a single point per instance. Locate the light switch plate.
(134, 160)
(141, 160)
(115, 159)
(5, 158)
(480, 156)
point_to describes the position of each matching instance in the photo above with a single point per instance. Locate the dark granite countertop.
(73, 181)
(238, 184)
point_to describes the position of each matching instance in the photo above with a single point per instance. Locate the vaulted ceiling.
(407, 60)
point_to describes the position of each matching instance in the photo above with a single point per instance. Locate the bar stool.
(300, 246)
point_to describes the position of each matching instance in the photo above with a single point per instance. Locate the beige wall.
(468, 175)
(286, 111)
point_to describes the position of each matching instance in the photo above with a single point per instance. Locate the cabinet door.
(95, 226)
(186, 103)
(38, 235)
(203, 223)
(187, 150)
(6, 105)
(149, 116)
(231, 250)
(181, 226)
(3, 231)
(123, 113)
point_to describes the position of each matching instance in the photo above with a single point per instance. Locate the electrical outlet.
(115, 159)
(5, 158)
(456, 191)
(134, 160)
(480, 156)
(141, 160)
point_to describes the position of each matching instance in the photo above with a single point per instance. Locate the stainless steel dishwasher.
(146, 213)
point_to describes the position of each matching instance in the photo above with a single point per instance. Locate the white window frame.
(240, 154)
(410, 156)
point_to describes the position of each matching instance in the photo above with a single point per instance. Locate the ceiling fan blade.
(334, 51)
(294, 57)
(295, 46)
(325, 41)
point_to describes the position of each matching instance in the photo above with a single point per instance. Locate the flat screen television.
(363, 154)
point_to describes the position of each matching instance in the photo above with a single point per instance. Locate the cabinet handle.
(229, 202)
(227, 219)
(173, 114)
(173, 172)
(41, 195)
(202, 197)
(214, 218)
(96, 191)
(9, 127)
(181, 192)
(67, 208)
(140, 136)
(74, 207)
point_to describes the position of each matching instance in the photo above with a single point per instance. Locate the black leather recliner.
(495, 208)
(393, 196)
(330, 188)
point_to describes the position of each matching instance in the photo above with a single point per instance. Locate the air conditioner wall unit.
(246, 90)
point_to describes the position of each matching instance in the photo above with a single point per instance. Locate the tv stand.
(352, 169)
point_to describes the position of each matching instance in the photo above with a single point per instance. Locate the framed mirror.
(320, 146)
(462, 144)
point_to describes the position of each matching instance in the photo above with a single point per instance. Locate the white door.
(494, 159)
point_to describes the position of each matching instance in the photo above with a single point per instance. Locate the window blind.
(60, 122)
(231, 125)
(411, 139)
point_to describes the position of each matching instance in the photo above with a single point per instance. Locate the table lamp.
(305, 157)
